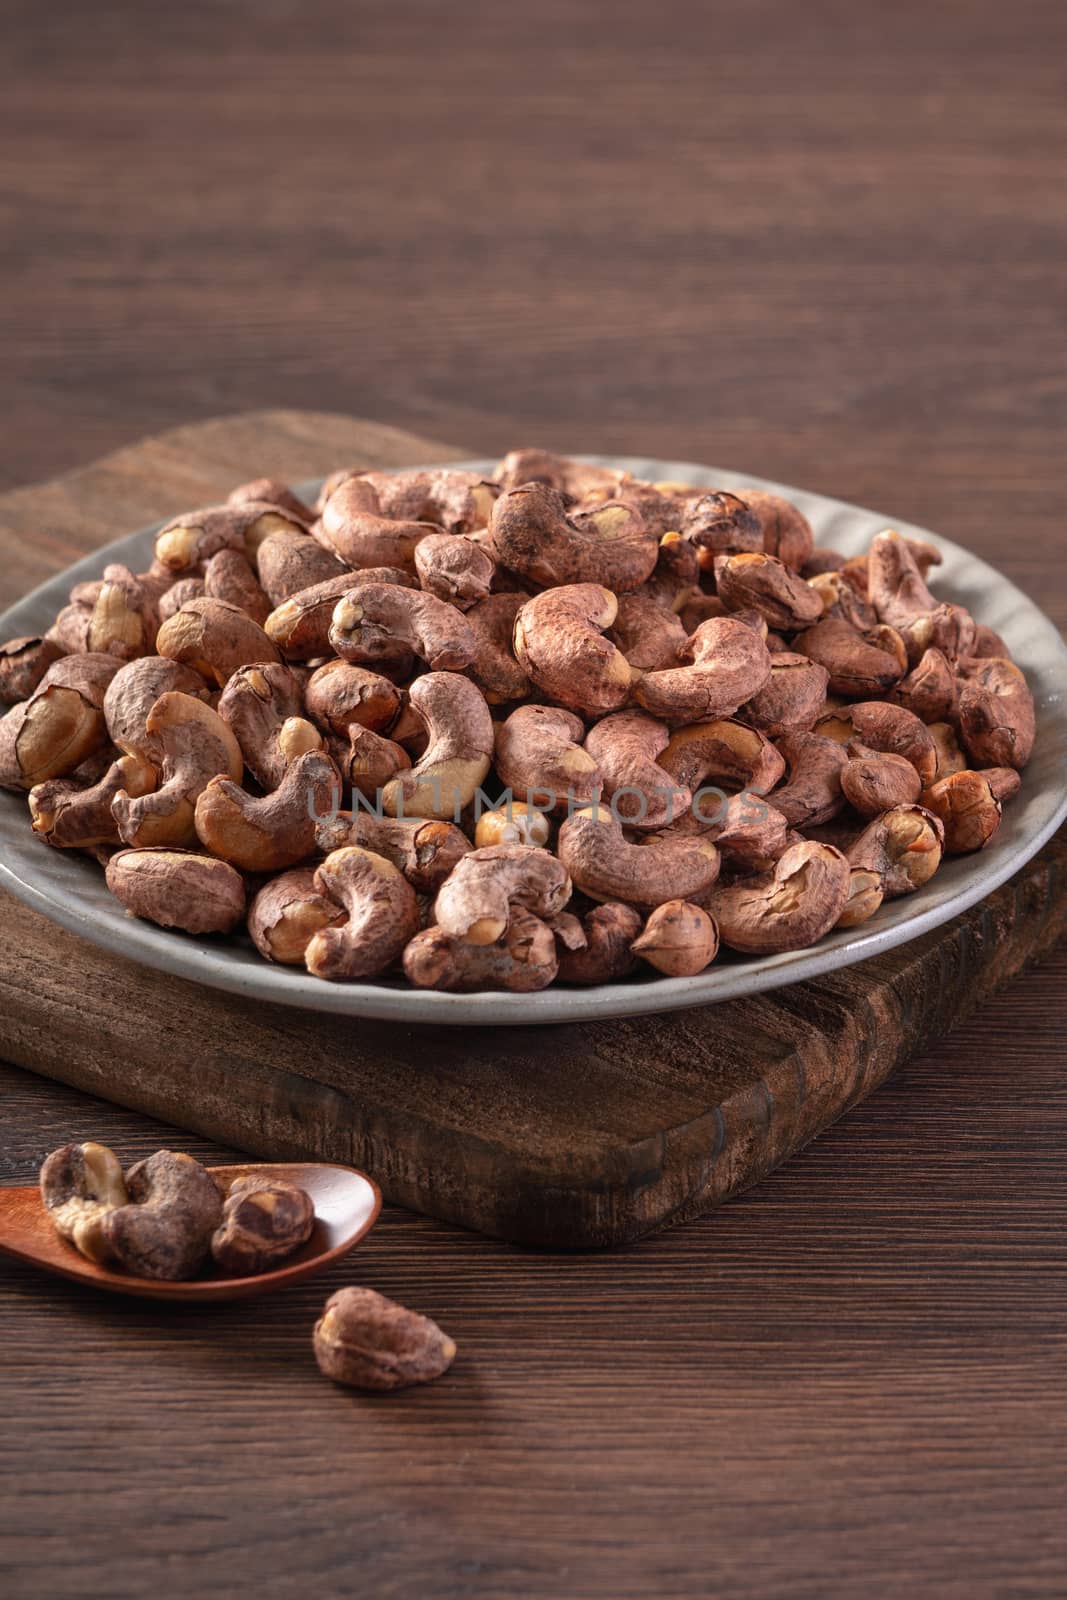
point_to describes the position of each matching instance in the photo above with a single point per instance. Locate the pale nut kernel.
(368, 1342)
(80, 1183)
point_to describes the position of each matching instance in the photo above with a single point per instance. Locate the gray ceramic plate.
(71, 890)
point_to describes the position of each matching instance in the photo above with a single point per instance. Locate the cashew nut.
(165, 1229)
(494, 668)
(649, 634)
(522, 960)
(370, 1342)
(947, 753)
(865, 894)
(51, 733)
(609, 545)
(132, 693)
(788, 908)
(812, 792)
(80, 1183)
(271, 492)
(300, 626)
(262, 705)
(722, 751)
(476, 900)
(730, 664)
(968, 808)
(786, 531)
(539, 756)
(997, 719)
(196, 746)
(643, 794)
(678, 939)
(287, 563)
(904, 845)
(606, 955)
(265, 835)
(178, 889)
(382, 915)
(857, 666)
(560, 644)
(512, 823)
(454, 569)
(23, 663)
(873, 781)
(263, 1221)
(215, 639)
(891, 729)
(449, 497)
(374, 618)
(605, 867)
(767, 586)
(286, 915)
(424, 849)
(355, 528)
(188, 542)
(229, 576)
(75, 818)
(792, 697)
(177, 595)
(720, 523)
(457, 756)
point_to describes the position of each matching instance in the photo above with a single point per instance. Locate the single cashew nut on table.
(368, 1342)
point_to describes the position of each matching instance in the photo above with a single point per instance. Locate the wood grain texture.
(822, 241)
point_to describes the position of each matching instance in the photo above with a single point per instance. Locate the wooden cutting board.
(585, 1135)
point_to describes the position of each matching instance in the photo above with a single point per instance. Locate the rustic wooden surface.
(823, 242)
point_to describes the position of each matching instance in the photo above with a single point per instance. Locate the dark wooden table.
(822, 241)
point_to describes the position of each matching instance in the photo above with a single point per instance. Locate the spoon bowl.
(346, 1204)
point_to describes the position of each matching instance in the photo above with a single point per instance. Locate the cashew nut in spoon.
(196, 746)
(382, 915)
(458, 753)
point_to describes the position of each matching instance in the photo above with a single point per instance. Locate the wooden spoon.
(346, 1208)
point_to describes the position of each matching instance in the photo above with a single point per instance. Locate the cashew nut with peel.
(454, 569)
(721, 751)
(80, 1183)
(382, 915)
(539, 755)
(609, 930)
(354, 527)
(789, 908)
(300, 626)
(23, 663)
(874, 781)
(604, 866)
(132, 693)
(373, 619)
(949, 757)
(371, 761)
(494, 668)
(524, 959)
(792, 697)
(609, 544)
(165, 1229)
(476, 900)
(286, 915)
(904, 845)
(996, 708)
(679, 939)
(271, 492)
(752, 833)
(812, 792)
(929, 690)
(786, 531)
(288, 563)
(262, 704)
(865, 894)
(649, 634)
(424, 849)
(457, 756)
(560, 644)
(263, 1221)
(730, 664)
(52, 733)
(719, 523)
(891, 729)
(450, 497)
(968, 808)
(229, 576)
(75, 818)
(643, 794)
(859, 665)
(215, 638)
(276, 831)
(196, 746)
(769, 587)
(189, 541)
(178, 889)
(340, 696)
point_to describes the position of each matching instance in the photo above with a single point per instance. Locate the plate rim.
(185, 957)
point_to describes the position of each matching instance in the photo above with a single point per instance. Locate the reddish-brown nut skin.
(424, 849)
(263, 706)
(286, 915)
(605, 867)
(904, 845)
(523, 960)
(353, 525)
(132, 693)
(372, 620)
(178, 595)
(720, 523)
(300, 625)
(477, 899)
(724, 750)
(71, 817)
(996, 709)
(215, 638)
(540, 758)
(188, 542)
(649, 634)
(560, 645)
(865, 895)
(873, 781)
(751, 834)
(1005, 782)
(792, 697)
(368, 1342)
(857, 668)
(494, 668)
(787, 909)
(968, 808)
(532, 534)
(454, 569)
(609, 930)
(196, 746)
(786, 531)
(229, 576)
(948, 755)
(730, 664)
(767, 586)
(23, 663)
(165, 1232)
(264, 1220)
(271, 492)
(383, 914)
(459, 749)
(276, 831)
(642, 794)
(371, 762)
(679, 939)
(340, 696)
(178, 889)
(812, 792)
(839, 599)
(288, 563)
(929, 690)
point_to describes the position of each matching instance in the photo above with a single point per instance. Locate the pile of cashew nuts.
(497, 733)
